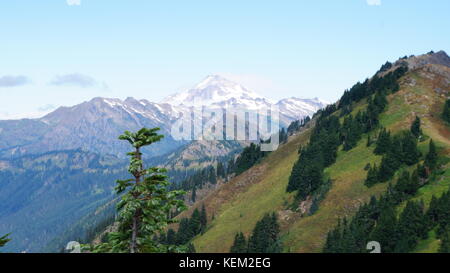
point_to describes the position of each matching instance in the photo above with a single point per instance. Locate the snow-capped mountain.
(298, 108)
(94, 125)
(215, 90)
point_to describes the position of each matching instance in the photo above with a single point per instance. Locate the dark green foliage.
(321, 152)
(265, 236)
(389, 164)
(432, 157)
(385, 67)
(283, 136)
(319, 195)
(203, 219)
(377, 221)
(446, 111)
(410, 152)
(171, 237)
(240, 244)
(221, 170)
(191, 248)
(411, 227)
(386, 84)
(146, 204)
(385, 231)
(295, 126)
(199, 179)
(191, 227)
(383, 142)
(369, 140)
(4, 239)
(445, 242)
(195, 223)
(397, 150)
(194, 195)
(415, 128)
(184, 233)
(372, 176)
(406, 186)
(438, 213)
(249, 157)
(307, 173)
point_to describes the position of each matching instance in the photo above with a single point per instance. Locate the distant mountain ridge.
(94, 125)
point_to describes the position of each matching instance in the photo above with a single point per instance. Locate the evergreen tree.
(220, 170)
(415, 128)
(146, 204)
(411, 227)
(445, 242)
(212, 177)
(404, 188)
(184, 233)
(432, 156)
(171, 237)
(385, 231)
(194, 194)
(411, 154)
(369, 140)
(264, 238)
(372, 176)
(203, 219)
(240, 244)
(383, 142)
(191, 248)
(432, 214)
(389, 164)
(195, 225)
(446, 111)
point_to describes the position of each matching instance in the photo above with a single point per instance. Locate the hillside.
(239, 204)
(43, 196)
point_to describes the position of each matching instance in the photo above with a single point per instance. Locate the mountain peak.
(213, 79)
(439, 58)
(214, 89)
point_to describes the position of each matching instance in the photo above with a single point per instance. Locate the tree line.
(378, 221)
(187, 230)
(307, 174)
(264, 238)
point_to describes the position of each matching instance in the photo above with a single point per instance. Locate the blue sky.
(53, 53)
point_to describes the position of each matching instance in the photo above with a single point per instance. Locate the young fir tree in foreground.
(4, 240)
(145, 207)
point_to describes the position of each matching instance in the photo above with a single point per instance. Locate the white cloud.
(74, 79)
(12, 81)
(373, 2)
(73, 2)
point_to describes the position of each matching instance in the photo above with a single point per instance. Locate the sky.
(63, 52)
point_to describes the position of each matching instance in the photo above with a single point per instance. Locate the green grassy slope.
(238, 205)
